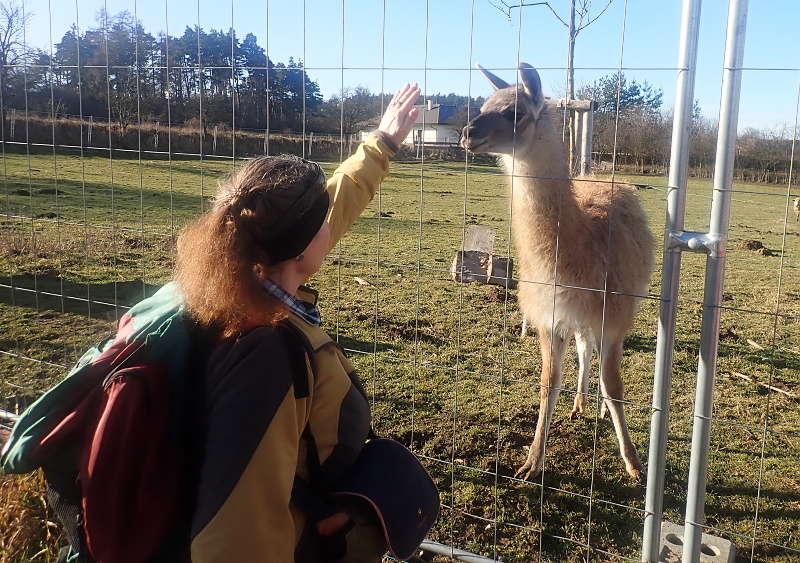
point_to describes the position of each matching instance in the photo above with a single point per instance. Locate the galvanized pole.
(716, 244)
(587, 130)
(670, 274)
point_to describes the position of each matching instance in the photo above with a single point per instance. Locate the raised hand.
(400, 113)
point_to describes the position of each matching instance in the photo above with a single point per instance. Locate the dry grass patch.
(23, 510)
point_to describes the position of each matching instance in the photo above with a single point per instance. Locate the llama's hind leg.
(612, 389)
(552, 349)
(584, 342)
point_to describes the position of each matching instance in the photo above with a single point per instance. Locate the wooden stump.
(482, 267)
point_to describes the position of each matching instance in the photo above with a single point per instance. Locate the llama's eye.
(513, 115)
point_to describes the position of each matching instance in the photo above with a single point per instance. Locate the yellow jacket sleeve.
(354, 184)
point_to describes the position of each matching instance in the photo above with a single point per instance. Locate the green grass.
(444, 362)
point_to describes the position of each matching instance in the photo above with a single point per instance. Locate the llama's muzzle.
(470, 142)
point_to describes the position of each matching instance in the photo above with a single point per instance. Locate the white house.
(432, 126)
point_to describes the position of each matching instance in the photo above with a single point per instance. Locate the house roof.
(436, 115)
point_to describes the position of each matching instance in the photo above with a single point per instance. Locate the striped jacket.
(253, 417)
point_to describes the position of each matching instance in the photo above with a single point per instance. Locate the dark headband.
(294, 229)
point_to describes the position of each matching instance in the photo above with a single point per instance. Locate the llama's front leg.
(613, 392)
(603, 403)
(584, 342)
(552, 349)
(525, 327)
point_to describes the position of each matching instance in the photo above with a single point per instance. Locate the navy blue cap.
(391, 479)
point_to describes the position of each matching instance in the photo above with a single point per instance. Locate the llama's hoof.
(576, 414)
(638, 474)
(527, 472)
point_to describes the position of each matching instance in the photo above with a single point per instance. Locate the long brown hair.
(220, 255)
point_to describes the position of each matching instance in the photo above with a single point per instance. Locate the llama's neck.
(541, 191)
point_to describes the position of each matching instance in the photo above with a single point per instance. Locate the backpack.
(111, 437)
(116, 442)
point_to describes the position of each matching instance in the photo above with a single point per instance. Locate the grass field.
(444, 362)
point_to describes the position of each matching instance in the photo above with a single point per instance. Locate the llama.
(584, 248)
(796, 207)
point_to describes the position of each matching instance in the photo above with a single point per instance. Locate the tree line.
(120, 72)
(631, 125)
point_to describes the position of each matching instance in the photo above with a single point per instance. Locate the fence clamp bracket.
(695, 241)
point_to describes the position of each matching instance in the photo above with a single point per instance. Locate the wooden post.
(583, 109)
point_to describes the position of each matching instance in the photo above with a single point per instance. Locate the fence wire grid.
(114, 136)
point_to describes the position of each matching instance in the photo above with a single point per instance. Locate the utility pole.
(572, 123)
(571, 53)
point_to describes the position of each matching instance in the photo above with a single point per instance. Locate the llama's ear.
(533, 86)
(496, 81)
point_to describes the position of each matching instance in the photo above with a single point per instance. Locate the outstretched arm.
(356, 181)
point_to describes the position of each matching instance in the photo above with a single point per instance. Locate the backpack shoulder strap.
(300, 353)
(306, 494)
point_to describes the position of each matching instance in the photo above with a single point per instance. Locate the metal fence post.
(676, 207)
(715, 272)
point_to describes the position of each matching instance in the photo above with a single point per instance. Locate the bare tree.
(354, 108)
(577, 20)
(459, 119)
(765, 153)
(703, 147)
(13, 52)
(124, 100)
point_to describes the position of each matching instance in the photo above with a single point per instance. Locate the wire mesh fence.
(116, 130)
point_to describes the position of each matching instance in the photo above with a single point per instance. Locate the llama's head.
(508, 118)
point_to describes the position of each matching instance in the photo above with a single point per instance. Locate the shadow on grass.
(640, 343)
(566, 517)
(389, 331)
(49, 291)
(789, 500)
(74, 197)
(362, 346)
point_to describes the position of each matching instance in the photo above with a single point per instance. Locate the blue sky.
(384, 43)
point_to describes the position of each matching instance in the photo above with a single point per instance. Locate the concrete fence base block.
(712, 548)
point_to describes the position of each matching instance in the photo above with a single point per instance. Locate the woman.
(240, 267)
